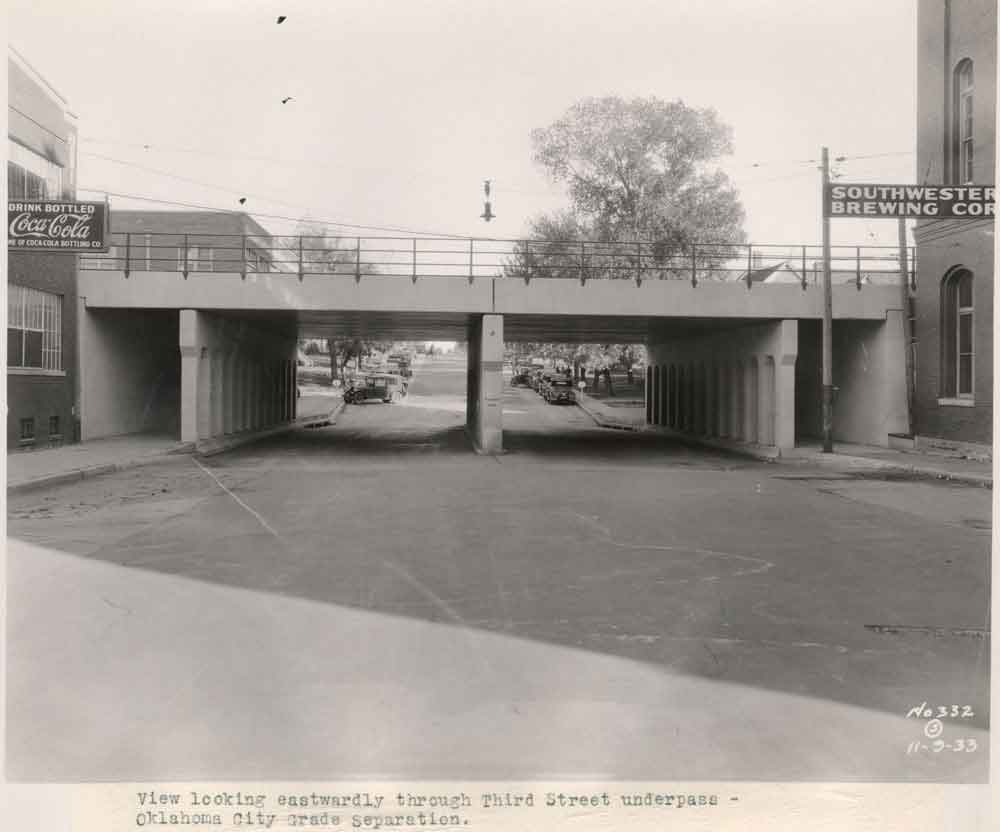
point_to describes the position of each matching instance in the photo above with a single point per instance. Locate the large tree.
(639, 169)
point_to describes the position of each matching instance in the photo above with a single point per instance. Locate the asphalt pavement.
(371, 599)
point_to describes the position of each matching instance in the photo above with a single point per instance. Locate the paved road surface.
(373, 598)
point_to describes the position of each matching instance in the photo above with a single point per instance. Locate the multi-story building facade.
(956, 145)
(197, 241)
(42, 341)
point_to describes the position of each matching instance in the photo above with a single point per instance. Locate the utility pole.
(904, 283)
(827, 319)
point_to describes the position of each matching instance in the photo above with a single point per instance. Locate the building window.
(34, 329)
(962, 123)
(53, 426)
(30, 175)
(957, 336)
(28, 430)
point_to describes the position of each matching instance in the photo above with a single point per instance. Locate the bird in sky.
(281, 18)
(243, 200)
(286, 100)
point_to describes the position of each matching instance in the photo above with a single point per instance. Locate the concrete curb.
(200, 449)
(583, 403)
(77, 474)
(837, 462)
(218, 446)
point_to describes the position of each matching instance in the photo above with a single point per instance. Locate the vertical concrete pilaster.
(255, 412)
(665, 395)
(218, 393)
(189, 393)
(204, 406)
(652, 394)
(190, 349)
(228, 391)
(751, 417)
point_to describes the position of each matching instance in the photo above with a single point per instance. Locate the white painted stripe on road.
(260, 519)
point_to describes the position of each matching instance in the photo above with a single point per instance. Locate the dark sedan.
(560, 391)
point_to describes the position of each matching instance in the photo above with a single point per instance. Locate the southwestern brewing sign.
(938, 201)
(57, 226)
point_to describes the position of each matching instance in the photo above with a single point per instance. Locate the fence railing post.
(243, 258)
(750, 266)
(128, 253)
(638, 263)
(300, 259)
(414, 259)
(583, 268)
(913, 268)
(357, 261)
(185, 270)
(472, 273)
(694, 265)
(803, 267)
(857, 265)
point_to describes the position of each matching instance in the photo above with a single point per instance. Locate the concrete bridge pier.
(484, 389)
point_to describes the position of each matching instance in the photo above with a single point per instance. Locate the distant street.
(373, 598)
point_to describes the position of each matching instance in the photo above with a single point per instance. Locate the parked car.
(560, 391)
(386, 387)
(521, 378)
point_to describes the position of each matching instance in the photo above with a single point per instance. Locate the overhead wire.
(264, 215)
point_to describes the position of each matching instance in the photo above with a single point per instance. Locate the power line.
(261, 214)
(180, 178)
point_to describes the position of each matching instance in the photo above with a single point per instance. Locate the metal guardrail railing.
(429, 257)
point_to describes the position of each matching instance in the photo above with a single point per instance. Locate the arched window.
(957, 341)
(963, 145)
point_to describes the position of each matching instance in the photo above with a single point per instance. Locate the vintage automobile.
(560, 390)
(386, 387)
(521, 378)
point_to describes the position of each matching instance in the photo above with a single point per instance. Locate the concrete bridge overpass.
(175, 339)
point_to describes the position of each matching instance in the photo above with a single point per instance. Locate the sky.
(400, 109)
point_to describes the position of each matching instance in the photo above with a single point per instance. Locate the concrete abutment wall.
(734, 384)
(190, 374)
(234, 377)
(761, 384)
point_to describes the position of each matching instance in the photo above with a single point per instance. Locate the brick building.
(204, 240)
(956, 145)
(42, 339)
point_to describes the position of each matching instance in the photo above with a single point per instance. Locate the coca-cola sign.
(56, 226)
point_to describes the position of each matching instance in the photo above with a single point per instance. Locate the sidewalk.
(28, 470)
(846, 457)
(623, 414)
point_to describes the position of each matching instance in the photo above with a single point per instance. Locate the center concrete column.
(784, 385)
(485, 420)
